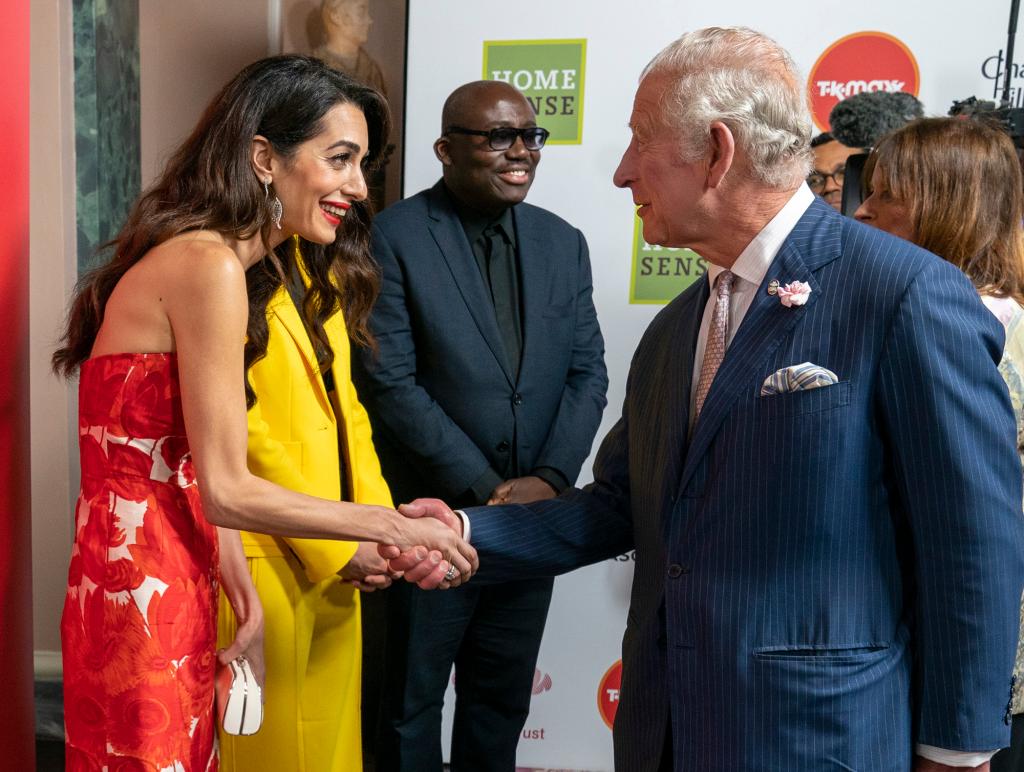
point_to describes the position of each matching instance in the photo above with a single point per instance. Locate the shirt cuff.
(953, 758)
(552, 477)
(466, 527)
(484, 486)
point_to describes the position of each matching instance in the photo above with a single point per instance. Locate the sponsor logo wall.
(863, 61)
(661, 273)
(578, 62)
(550, 73)
(608, 693)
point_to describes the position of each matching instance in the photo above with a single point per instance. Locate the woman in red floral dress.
(281, 150)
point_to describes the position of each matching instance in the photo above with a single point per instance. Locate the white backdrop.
(950, 43)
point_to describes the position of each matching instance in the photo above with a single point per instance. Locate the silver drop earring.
(276, 208)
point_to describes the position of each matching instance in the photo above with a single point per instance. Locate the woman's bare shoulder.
(197, 261)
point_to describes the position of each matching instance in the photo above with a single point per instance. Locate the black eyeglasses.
(504, 137)
(816, 179)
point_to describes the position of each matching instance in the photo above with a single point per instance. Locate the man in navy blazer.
(488, 387)
(815, 463)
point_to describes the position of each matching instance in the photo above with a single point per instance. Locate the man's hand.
(367, 570)
(425, 568)
(434, 508)
(521, 490)
(921, 764)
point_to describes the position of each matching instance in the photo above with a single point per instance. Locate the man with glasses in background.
(826, 178)
(488, 388)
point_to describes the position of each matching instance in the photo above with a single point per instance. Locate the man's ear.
(721, 152)
(441, 151)
(262, 159)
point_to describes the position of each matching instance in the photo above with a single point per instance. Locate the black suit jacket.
(443, 403)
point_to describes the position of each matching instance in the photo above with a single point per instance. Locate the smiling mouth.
(336, 210)
(515, 176)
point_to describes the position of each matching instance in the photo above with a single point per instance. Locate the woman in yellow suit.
(308, 432)
(316, 441)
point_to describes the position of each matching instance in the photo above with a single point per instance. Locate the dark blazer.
(823, 578)
(443, 403)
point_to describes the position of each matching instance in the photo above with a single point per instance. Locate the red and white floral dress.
(139, 625)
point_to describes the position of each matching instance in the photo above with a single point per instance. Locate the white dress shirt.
(749, 271)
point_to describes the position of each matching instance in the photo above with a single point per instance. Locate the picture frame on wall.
(365, 39)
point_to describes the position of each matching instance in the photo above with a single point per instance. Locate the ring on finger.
(452, 573)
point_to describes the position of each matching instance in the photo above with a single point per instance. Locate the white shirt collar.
(755, 259)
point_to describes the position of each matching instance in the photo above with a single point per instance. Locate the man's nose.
(518, 148)
(624, 172)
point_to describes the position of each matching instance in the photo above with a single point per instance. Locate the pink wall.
(16, 713)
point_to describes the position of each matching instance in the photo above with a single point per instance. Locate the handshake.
(427, 547)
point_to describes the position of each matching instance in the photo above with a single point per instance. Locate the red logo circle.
(863, 61)
(608, 693)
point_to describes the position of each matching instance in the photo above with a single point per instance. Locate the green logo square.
(550, 74)
(661, 273)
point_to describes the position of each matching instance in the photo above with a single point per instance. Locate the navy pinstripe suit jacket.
(826, 577)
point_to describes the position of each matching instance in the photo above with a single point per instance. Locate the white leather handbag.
(239, 698)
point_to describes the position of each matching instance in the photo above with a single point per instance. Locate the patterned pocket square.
(797, 378)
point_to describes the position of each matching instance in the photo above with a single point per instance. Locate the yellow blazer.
(313, 631)
(294, 435)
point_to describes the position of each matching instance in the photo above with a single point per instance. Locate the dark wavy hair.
(209, 184)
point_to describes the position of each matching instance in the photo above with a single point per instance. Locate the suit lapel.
(679, 376)
(450, 238)
(535, 256)
(682, 364)
(765, 326)
(284, 309)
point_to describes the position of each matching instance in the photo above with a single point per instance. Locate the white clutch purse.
(239, 698)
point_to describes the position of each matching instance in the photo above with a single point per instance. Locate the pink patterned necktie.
(718, 332)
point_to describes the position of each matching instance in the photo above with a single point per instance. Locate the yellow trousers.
(313, 652)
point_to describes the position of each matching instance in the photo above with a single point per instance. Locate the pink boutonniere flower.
(794, 294)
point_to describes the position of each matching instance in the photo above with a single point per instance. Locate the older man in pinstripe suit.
(815, 463)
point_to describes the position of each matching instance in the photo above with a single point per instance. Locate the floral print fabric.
(139, 625)
(1009, 312)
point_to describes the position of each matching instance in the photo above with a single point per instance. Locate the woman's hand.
(438, 546)
(248, 639)
(245, 602)
(367, 571)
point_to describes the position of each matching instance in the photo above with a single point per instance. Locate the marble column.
(107, 125)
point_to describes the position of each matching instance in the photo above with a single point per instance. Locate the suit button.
(517, 399)
(675, 570)
(503, 447)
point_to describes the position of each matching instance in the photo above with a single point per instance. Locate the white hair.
(748, 82)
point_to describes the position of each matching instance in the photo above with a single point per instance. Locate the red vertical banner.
(16, 707)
